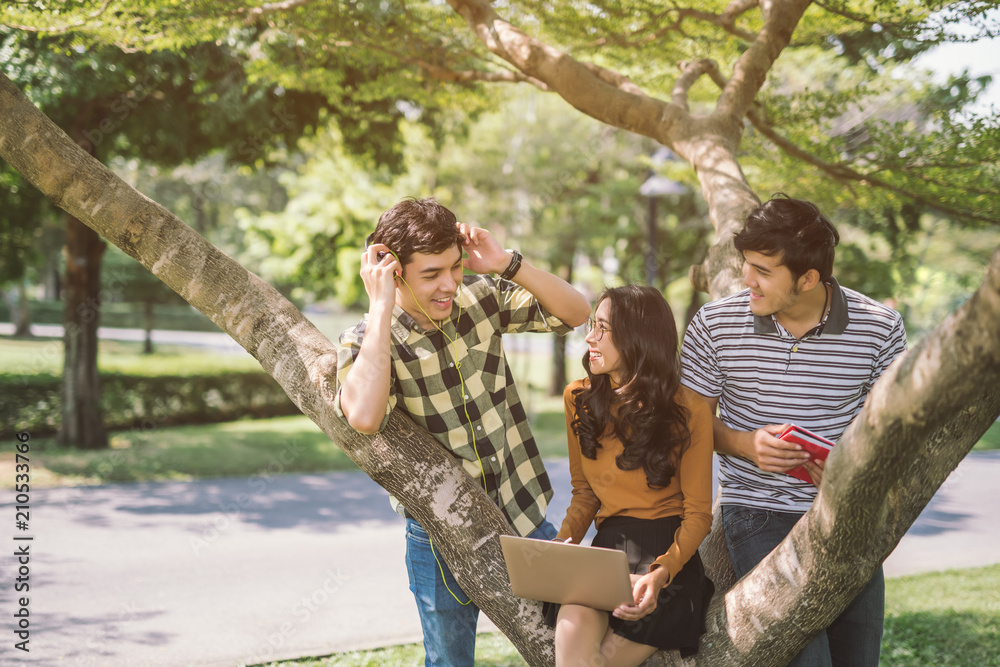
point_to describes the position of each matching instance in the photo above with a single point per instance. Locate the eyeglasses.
(600, 327)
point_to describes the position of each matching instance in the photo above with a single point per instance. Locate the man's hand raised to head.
(485, 253)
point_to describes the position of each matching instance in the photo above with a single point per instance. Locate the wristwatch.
(514, 266)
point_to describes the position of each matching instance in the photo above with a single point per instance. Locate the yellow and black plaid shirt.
(427, 387)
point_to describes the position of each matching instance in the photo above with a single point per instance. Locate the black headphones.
(381, 254)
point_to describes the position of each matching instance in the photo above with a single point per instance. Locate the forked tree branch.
(596, 91)
(781, 17)
(691, 71)
(708, 143)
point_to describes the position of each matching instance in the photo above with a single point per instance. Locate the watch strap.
(514, 266)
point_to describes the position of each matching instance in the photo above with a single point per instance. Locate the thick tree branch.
(449, 504)
(691, 71)
(780, 19)
(597, 92)
(709, 144)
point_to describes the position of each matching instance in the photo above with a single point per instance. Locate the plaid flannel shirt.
(426, 385)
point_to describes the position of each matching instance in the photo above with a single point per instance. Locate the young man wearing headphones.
(442, 332)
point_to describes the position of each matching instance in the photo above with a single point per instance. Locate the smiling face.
(432, 280)
(603, 356)
(773, 290)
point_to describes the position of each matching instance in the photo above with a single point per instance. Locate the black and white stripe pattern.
(763, 375)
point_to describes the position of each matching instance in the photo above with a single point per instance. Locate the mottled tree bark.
(557, 382)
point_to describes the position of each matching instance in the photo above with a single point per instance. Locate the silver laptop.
(567, 573)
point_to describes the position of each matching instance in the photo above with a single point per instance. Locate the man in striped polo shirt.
(793, 348)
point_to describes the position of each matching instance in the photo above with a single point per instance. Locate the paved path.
(218, 341)
(234, 571)
(215, 340)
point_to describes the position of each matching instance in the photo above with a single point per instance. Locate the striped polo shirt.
(763, 375)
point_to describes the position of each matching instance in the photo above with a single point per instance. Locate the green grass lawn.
(990, 439)
(947, 618)
(45, 356)
(492, 650)
(231, 449)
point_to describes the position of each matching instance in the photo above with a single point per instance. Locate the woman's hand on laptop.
(645, 590)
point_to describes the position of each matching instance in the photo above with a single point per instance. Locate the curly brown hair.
(643, 413)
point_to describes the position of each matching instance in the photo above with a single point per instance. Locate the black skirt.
(678, 621)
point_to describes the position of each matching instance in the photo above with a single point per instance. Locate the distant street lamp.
(657, 186)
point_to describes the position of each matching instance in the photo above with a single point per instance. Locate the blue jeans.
(449, 627)
(854, 639)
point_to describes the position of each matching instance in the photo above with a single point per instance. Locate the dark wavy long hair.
(643, 412)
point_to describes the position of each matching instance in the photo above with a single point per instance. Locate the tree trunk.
(148, 321)
(921, 418)
(52, 280)
(558, 380)
(82, 425)
(652, 260)
(21, 315)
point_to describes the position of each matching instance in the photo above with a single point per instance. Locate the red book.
(816, 446)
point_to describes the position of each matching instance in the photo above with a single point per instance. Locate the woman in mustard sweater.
(640, 456)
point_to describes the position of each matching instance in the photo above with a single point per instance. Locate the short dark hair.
(417, 225)
(793, 228)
